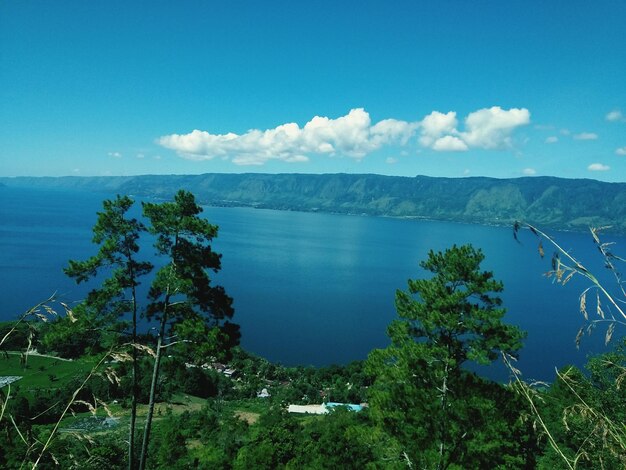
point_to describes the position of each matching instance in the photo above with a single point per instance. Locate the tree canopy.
(448, 319)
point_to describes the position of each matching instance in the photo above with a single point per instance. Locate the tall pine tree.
(117, 235)
(438, 412)
(182, 297)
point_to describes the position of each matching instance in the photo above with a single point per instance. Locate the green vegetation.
(40, 372)
(456, 319)
(118, 238)
(546, 201)
(203, 402)
(181, 292)
(582, 415)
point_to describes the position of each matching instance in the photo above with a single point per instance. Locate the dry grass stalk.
(603, 432)
(611, 435)
(530, 394)
(563, 272)
(33, 312)
(583, 304)
(4, 402)
(144, 348)
(70, 404)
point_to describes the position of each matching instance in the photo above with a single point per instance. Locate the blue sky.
(501, 88)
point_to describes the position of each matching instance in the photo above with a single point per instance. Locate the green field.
(43, 372)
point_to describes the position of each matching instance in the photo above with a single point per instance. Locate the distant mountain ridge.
(559, 203)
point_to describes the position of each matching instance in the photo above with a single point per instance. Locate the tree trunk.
(133, 407)
(155, 377)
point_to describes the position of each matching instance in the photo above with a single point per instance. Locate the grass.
(249, 409)
(248, 405)
(43, 372)
(178, 404)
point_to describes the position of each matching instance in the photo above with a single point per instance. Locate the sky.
(440, 88)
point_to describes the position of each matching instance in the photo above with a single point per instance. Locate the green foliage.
(440, 414)
(457, 317)
(586, 413)
(203, 338)
(179, 378)
(582, 417)
(104, 453)
(117, 237)
(16, 334)
(183, 285)
(170, 449)
(181, 295)
(336, 441)
(85, 333)
(275, 444)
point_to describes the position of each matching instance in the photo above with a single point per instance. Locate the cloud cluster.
(621, 151)
(491, 128)
(598, 167)
(352, 135)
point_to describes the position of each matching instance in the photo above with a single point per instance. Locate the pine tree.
(181, 295)
(444, 321)
(117, 235)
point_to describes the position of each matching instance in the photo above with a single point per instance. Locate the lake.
(311, 288)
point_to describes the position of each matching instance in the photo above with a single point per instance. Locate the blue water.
(310, 288)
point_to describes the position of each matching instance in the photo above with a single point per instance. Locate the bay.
(312, 288)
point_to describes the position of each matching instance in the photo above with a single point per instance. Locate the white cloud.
(529, 171)
(140, 156)
(352, 135)
(488, 128)
(391, 160)
(435, 125)
(621, 150)
(615, 115)
(598, 167)
(491, 128)
(449, 143)
(115, 154)
(552, 139)
(586, 136)
(565, 131)
(389, 131)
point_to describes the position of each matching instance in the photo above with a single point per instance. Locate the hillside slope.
(546, 201)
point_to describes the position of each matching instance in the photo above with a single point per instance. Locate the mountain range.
(548, 202)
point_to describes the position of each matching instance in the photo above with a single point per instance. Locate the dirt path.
(35, 353)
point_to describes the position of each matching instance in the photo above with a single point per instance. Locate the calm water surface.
(309, 288)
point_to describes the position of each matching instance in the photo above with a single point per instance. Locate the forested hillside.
(550, 202)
